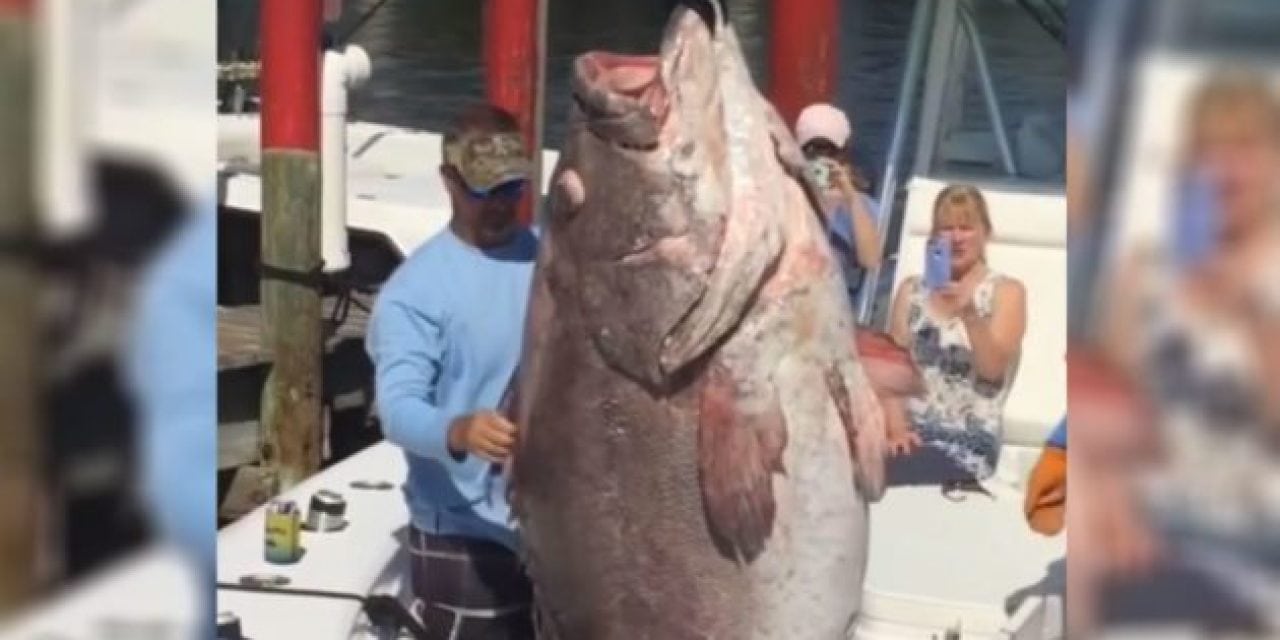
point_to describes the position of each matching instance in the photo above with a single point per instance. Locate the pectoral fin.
(741, 436)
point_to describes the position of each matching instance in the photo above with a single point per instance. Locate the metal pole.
(917, 47)
(23, 496)
(539, 110)
(510, 65)
(803, 54)
(291, 238)
(988, 90)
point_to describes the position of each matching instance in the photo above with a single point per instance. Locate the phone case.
(820, 172)
(1196, 220)
(937, 264)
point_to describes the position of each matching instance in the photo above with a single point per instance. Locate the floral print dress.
(1206, 379)
(959, 414)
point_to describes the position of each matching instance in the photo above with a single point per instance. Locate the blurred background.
(1174, 129)
(107, 157)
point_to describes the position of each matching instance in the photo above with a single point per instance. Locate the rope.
(384, 611)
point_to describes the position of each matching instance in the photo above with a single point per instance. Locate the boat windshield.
(1240, 28)
(995, 94)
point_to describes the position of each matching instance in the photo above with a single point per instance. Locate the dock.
(244, 359)
(240, 343)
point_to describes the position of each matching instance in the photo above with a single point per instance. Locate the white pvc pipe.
(62, 173)
(539, 115)
(340, 73)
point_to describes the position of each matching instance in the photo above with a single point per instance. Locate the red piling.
(291, 75)
(511, 65)
(804, 48)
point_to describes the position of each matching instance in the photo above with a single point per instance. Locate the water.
(428, 64)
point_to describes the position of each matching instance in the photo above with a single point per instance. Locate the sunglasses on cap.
(509, 190)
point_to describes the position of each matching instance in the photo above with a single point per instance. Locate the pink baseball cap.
(821, 120)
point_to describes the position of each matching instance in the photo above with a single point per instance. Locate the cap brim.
(512, 172)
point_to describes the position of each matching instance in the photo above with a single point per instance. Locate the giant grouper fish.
(699, 436)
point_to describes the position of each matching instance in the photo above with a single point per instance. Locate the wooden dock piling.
(23, 492)
(291, 413)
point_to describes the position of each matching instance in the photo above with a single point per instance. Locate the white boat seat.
(975, 565)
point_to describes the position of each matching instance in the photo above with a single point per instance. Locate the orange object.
(1046, 499)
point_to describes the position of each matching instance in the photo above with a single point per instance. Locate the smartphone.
(937, 263)
(1197, 219)
(821, 172)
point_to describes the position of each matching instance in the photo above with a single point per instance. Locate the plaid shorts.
(469, 589)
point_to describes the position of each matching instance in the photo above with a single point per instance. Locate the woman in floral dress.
(966, 338)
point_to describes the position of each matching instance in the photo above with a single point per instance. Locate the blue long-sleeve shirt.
(445, 338)
(172, 370)
(841, 236)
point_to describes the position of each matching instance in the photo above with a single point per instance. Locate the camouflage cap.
(486, 160)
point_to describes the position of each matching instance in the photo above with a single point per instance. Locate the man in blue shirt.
(445, 338)
(172, 369)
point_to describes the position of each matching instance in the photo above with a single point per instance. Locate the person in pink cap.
(823, 132)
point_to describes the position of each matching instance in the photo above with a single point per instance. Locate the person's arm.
(898, 312)
(996, 341)
(1122, 314)
(866, 235)
(171, 369)
(1262, 317)
(407, 349)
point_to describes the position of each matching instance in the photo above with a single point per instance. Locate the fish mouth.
(622, 98)
(628, 100)
(621, 87)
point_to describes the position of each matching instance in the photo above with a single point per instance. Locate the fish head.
(639, 200)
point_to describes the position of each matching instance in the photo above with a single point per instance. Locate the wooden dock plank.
(241, 347)
(240, 334)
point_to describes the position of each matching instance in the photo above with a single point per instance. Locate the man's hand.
(485, 434)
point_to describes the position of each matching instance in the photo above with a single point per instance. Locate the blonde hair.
(1232, 91)
(966, 196)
